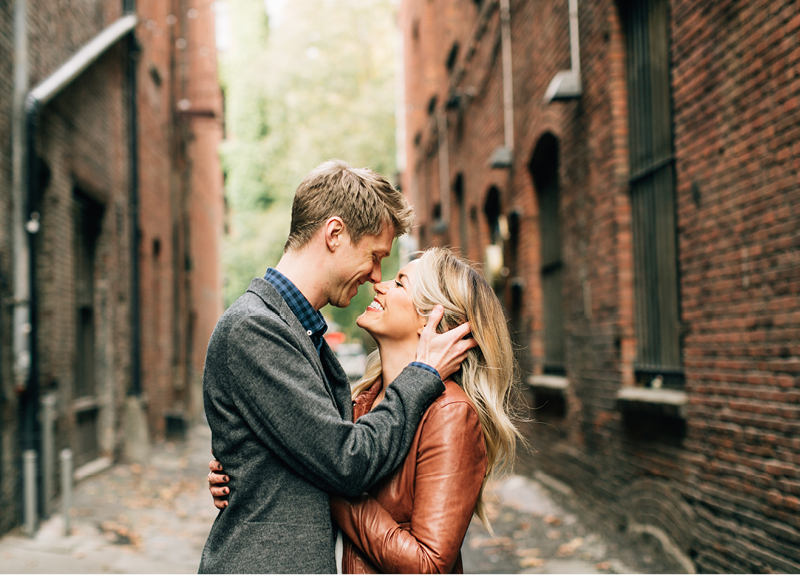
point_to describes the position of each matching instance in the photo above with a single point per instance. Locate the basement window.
(452, 57)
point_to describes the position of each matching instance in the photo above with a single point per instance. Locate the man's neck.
(305, 273)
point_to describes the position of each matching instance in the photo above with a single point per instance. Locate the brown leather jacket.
(415, 520)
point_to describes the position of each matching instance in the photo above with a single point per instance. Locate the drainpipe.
(21, 299)
(133, 183)
(503, 157)
(22, 286)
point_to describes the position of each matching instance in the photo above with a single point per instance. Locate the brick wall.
(83, 145)
(8, 406)
(181, 205)
(721, 481)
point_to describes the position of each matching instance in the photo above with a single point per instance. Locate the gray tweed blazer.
(281, 422)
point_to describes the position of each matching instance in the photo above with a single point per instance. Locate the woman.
(415, 520)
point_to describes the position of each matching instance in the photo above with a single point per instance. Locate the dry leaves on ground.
(553, 520)
(504, 542)
(569, 548)
(531, 562)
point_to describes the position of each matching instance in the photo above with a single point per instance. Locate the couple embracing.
(315, 476)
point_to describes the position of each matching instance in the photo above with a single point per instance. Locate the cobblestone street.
(155, 518)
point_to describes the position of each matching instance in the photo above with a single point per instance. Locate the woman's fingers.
(218, 491)
(434, 318)
(220, 503)
(215, 465)
(217, 478)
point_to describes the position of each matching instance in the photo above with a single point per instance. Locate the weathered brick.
(737, 158)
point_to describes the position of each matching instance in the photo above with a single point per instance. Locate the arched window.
(544, 171)
(463, 224)
(494, 251)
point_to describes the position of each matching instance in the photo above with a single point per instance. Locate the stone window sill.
(665, 402)
(555, 383)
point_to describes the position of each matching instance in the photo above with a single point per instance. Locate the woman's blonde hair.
(487, 375)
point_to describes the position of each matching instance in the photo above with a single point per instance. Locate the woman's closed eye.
(398, 284)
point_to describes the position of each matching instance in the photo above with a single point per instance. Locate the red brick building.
(642, 226)
(111, 192)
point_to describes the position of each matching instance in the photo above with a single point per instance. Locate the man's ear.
(334, 230)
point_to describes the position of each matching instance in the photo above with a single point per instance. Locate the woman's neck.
(395, 357)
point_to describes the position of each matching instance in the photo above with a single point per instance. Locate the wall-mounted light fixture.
(566, 84)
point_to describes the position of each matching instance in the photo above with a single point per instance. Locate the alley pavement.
(155, 518)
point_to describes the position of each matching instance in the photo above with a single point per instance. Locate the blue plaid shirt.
(311, 320)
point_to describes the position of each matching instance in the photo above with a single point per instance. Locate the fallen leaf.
(554, 534)
(494, 542)
(528, 552)
(603, 566)
(569, 548)
(531, 562)
(553, 520)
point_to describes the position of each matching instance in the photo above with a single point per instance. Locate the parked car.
(353, 359)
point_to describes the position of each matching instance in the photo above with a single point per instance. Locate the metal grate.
(652, 189)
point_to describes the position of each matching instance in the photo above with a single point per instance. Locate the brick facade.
(717, 474)
(8, 404)
(83, 248)
(181, 202)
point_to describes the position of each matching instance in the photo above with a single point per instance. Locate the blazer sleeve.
(275, 388)
(450, 469)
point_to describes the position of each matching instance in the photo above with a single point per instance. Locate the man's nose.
(375, 274)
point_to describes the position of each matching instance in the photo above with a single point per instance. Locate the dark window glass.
(544, 170)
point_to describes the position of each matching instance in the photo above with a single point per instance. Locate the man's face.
(357, 264)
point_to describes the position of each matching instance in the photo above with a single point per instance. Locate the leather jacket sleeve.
(450, 467)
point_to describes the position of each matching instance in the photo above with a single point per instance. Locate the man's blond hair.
(364, 199)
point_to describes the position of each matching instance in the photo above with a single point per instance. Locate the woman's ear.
(422, 324)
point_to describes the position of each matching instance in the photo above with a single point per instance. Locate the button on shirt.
(311, 320)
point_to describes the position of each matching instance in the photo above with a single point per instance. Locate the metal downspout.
(133, 183)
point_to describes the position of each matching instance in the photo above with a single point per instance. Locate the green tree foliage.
(318, 84)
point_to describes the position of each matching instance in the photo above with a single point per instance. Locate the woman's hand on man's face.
(216, 484)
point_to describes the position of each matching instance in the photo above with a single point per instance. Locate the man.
(278, 402)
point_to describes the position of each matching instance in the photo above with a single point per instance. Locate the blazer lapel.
(340, 383)
(270, 296)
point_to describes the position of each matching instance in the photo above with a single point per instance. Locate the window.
(544, 171)
(463, 224)
(652, 188)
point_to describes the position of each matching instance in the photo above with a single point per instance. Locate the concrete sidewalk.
(155, 519)
(128, 519)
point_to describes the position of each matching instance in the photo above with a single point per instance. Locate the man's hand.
(216, 484)
(444, 352)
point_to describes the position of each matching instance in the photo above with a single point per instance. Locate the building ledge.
(554, 382)
(665, 402)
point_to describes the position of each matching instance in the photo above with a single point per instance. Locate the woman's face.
(392, 315)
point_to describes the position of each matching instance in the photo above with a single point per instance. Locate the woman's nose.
(382, 287)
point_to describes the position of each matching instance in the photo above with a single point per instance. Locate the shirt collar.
(311, 320)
